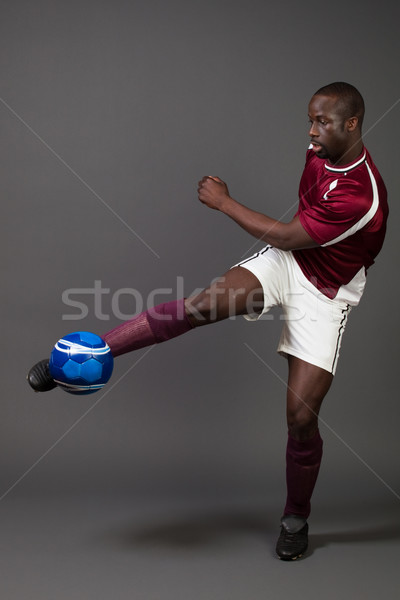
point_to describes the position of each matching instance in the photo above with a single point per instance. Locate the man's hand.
(213, 192)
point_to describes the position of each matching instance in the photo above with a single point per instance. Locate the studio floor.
(116, 546)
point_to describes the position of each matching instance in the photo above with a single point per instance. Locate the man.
(314, 267)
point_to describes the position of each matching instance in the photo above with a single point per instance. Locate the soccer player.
(314, 267)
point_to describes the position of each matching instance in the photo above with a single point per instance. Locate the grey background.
(171, 484)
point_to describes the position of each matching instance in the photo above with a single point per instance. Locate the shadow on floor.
(195, 531)
(199, 530)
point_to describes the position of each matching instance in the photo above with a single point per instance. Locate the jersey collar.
(349, 167)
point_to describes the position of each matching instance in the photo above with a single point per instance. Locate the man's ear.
(352, 124)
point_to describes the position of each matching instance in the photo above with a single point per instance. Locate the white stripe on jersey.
(345, 169)
(331, 187)
(366, 218)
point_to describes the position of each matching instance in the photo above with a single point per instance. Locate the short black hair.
(352, 103)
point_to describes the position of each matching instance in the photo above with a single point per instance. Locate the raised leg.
(235, 293)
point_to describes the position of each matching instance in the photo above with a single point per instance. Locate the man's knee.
(236, 293)
(216, 303)
(201, 309)
(302, 423)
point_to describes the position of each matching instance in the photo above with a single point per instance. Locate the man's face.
(330, 137)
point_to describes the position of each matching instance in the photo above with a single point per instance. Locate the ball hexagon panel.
(71, 370)
(91, 370)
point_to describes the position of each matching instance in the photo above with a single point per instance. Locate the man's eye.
(323, 122)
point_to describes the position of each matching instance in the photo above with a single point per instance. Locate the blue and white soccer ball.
(81, 363)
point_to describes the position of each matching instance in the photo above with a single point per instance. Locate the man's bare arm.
(214, 193)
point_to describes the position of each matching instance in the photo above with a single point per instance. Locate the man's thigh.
(307, 387)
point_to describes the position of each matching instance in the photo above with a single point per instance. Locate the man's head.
(336, 113)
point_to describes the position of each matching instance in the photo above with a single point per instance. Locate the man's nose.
(313, 132)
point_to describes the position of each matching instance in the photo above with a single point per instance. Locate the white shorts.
(313, 323)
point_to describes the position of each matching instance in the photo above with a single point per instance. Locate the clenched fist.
(213, 192)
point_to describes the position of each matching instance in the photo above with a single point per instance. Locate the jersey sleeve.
(339, 213)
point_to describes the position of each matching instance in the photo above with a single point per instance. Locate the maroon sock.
(152, 326)
(303, 460)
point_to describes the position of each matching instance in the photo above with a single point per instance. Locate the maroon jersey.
(344, 210)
